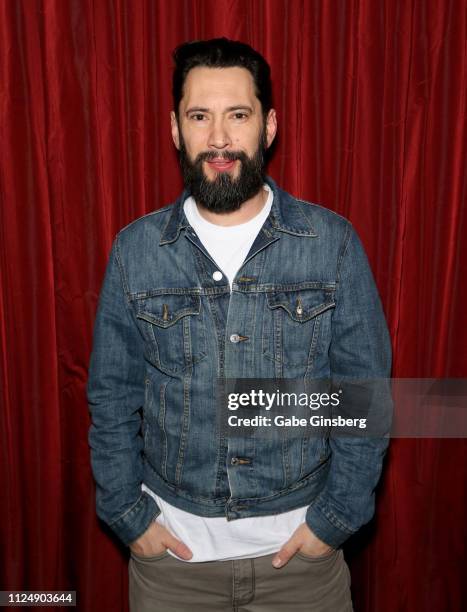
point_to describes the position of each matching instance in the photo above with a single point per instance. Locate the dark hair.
(221, 53)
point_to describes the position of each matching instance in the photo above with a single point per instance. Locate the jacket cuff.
(136, 520)
(326, 526)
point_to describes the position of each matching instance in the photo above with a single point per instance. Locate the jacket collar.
(285, 216)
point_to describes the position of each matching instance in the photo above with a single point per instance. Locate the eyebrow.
(203, 109)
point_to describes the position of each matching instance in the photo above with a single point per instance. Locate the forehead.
(214, 86)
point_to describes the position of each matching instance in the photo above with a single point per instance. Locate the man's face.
(222, 135)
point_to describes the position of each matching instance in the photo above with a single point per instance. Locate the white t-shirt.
(216, 539)
(227, 245)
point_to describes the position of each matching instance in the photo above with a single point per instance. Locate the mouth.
(221, 165)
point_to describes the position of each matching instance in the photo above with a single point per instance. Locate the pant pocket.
(151, 559)
(326, 557)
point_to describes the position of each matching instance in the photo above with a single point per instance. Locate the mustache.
(226, 155)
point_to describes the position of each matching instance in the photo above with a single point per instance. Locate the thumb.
(285, 553)
(177, 547)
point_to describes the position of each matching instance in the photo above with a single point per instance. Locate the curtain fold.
(370, 99)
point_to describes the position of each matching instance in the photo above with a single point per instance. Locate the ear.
(174, 129)
(271, 127)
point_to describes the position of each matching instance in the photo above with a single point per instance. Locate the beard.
(224, 193)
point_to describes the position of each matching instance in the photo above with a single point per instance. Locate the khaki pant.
(305, 584)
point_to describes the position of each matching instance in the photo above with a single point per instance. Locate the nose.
(219, 137)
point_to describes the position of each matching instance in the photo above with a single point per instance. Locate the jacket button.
(234, 338)
(217, 276)
(234, 460)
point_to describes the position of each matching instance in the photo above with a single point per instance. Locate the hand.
(303, 540)
(156, 540)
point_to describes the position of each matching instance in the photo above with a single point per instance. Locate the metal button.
(299, 308)
(234, 338)
(217, 276)
(234, 460)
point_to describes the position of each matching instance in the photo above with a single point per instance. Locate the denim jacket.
(168, 328)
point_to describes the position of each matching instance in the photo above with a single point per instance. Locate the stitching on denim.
(121, 268)
(322, 207)
(138, 502)
(335, 521)
(161, 421)
(305, 217)
(343, 251)
(150, 214)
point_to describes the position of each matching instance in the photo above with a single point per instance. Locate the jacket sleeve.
(116, 394)
(360, 350)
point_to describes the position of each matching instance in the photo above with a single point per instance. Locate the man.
(237, 279)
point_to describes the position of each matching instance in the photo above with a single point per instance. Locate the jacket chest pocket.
(173, 324)
(294, 323)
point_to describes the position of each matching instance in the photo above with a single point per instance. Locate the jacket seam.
(343, 252)
(336, 522)
(165, 208)
(325, 208)
(123, 279)
(120, 518)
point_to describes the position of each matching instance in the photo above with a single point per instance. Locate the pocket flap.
(166, 309)
(303, 304)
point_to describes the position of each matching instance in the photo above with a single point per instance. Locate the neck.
(249, 209)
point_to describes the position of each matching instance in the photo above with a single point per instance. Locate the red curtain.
(371, 104)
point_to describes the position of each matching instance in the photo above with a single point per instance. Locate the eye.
(197, 117)
(240, 115)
